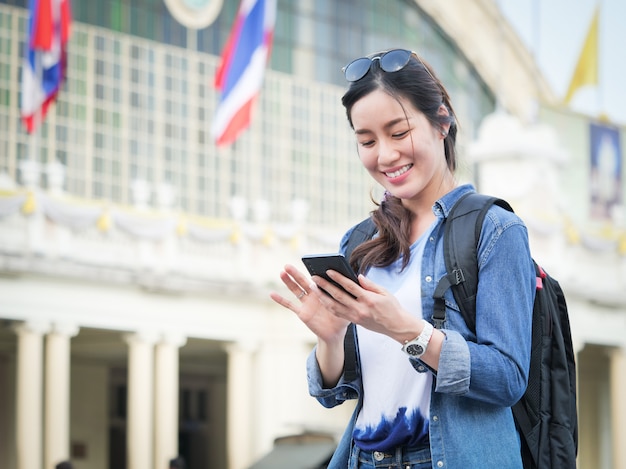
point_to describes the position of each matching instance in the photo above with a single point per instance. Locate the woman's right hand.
(325, 325)
(329, 328)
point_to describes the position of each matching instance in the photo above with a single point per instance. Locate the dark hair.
(64, 465)
(417, 83)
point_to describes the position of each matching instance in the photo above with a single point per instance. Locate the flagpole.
(600, 94)
(586, 69)
(536, 27)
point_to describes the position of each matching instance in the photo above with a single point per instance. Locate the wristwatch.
(417, 347)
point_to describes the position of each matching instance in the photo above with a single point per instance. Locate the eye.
(367, 143)
(401, 134)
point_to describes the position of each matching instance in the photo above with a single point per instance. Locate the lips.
(398, 172)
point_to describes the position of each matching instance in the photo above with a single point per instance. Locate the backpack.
(546, 415)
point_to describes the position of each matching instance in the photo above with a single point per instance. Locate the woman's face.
(399, 147)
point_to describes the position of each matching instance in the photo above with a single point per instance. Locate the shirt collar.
(443, 206)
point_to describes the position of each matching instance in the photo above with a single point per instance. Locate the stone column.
(31, 173)
(57, 395)
(139, 426)
(618, 406)
(29, 394)
(56, 177)
(34, 242)
(239, 410)
(166, 385)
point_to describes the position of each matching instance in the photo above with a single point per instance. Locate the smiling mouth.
(399, 172)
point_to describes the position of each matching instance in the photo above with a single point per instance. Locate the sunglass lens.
(395, 60)
(357, 69)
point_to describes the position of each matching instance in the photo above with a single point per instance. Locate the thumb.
(367, 284)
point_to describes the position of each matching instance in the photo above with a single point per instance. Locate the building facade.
(136, 258)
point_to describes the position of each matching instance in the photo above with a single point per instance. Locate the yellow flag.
(586, 72)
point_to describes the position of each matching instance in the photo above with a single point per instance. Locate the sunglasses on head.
(390, 61)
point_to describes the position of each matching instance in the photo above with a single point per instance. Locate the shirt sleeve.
(492, 364)
(329, 397)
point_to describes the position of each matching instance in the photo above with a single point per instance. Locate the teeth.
(397, 173)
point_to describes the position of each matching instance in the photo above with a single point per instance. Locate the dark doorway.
(117, 448)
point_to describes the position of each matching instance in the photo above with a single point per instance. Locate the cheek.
(368, 159)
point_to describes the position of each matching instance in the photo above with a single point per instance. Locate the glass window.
(151, 103)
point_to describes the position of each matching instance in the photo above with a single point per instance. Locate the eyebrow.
(388, 125)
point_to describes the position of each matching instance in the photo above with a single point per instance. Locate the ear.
(444, 128)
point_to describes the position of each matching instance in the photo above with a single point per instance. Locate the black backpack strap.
(460, 248)
(350, 356)
(362, 232)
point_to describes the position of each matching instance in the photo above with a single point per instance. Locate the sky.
(554, 31)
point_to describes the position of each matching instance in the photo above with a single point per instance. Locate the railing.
(47, 232)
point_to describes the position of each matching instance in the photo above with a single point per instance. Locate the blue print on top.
(403, 430)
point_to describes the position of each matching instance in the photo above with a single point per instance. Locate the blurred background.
(145, 213)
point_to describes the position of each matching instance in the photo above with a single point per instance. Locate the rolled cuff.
(453, 374)
(328, 397)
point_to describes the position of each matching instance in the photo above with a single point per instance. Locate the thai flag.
(45, 60)
(240, 74)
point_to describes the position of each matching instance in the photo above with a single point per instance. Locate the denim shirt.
(480, 376)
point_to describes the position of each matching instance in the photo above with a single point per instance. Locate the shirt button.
(435, 418)
(379, 456)
(439, 463)
(429, 278)
(431, 239)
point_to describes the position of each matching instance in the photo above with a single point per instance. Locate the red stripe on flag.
(66, 19)
(228, 53)
(239, 122)
(43, 25)
(30, 122)
(269, 40)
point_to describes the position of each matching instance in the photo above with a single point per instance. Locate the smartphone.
(318, 264)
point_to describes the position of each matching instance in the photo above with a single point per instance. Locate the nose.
(387, 151)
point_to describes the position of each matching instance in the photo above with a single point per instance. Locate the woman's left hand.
(366, 304)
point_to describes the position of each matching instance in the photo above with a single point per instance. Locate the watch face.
(414, 349)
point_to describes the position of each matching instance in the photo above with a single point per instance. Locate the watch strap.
(417, 347)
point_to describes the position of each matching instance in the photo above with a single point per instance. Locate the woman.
(449, 404)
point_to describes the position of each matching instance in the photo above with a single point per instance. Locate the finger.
(297, 275)
(284, 302)
(330, 295)
(281, 300)
(367, 284)
(313, 290)
(295, 287)
(348, 285)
